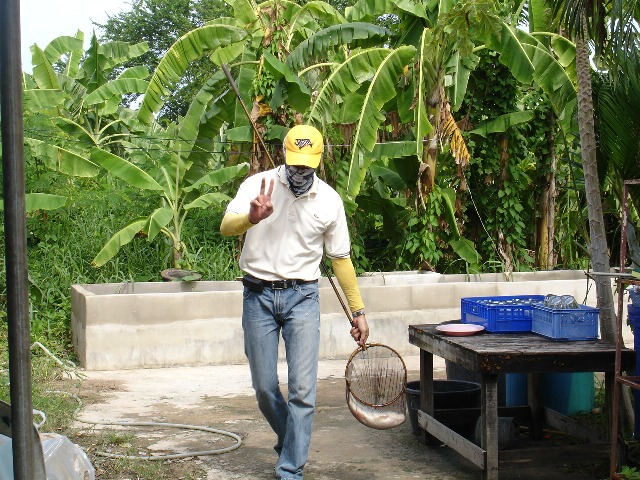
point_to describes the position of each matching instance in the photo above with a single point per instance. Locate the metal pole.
(15, 233)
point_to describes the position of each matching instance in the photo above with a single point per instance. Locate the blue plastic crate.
(500, 314)
(565, 323)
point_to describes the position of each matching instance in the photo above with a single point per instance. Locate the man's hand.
(360, 330)
(261, 206)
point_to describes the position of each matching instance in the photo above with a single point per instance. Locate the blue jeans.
(296, 313)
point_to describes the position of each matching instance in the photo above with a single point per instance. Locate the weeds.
(630, 473)
(60, 246)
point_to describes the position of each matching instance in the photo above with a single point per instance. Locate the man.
(290, 217)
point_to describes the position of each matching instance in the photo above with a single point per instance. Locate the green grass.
(61, 245)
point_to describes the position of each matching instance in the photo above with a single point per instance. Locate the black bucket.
(447, 394)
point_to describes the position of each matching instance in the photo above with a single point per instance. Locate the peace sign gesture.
(261, 206)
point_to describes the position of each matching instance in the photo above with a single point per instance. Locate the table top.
(519, 352)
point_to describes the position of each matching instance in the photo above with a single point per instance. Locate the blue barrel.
(634, 321)
(569, 393)
(515, 389)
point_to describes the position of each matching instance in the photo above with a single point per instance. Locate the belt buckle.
(279, 285)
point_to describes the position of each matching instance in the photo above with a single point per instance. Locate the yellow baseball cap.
(304, 146)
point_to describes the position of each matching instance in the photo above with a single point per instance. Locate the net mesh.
(376, 379)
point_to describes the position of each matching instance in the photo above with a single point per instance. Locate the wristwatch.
(357, 313)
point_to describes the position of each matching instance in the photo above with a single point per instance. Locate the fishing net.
(376, 378)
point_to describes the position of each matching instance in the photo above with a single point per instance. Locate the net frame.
(366, 405)
(393, 354)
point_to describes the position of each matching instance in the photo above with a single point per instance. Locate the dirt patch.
(341, 448)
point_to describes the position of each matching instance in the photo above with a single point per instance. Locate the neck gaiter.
(299, 179)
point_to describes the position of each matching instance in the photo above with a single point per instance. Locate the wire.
(495, 247)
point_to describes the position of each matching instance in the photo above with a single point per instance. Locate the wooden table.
(492, 354)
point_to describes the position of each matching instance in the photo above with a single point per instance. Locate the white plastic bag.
(63, 460)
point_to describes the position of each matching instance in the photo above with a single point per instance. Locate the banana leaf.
(41, 201)
(346, 79)
(124, 170)
(502, 38)
(118, 52)
(503, 122)
(39, 99)
(466, 250)
(555, 82)
(349, 34)
(160, 218)
(220, 176)
(43, 72)
(314, 10)
(208, 199)
(297, 93)
(62, 160)
(200, 127)
(243, 11)
(381, 89)
(394, 149)
(116, 88)
(366, 10)
(423, 126)
(174, 63)
(118, 240)
(390, 177)
(60, 46)
(139, 72)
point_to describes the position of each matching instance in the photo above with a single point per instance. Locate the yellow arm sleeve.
(346, 275)
(235, 224)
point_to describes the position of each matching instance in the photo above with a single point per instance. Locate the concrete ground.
(341, 449)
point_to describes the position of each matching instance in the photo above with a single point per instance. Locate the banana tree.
(178, 198)
(94, 133)
(263, 41)
(71, 104)
(82, 92)
(179, 167)
(78, 94)
(427, 89)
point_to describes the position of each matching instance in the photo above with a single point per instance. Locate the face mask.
(299, 179)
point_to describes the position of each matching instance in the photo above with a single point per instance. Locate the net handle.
(325, 270)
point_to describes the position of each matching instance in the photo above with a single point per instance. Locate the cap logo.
(303, 142)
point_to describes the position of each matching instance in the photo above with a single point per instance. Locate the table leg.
(489, 416)
(536, 405)
(426, 392)
(609, 385)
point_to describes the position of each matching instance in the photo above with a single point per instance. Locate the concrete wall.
(156, 324)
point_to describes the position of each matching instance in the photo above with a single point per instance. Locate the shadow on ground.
(341, 448)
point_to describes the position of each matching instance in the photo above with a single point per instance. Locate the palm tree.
(586, 21)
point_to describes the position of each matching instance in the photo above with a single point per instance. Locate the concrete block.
(161, 324)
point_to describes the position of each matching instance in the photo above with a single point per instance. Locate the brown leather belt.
(284, 284)
(257, 284)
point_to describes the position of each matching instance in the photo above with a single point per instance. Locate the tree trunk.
(598, 241)
(504, 248)
(545, 257)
